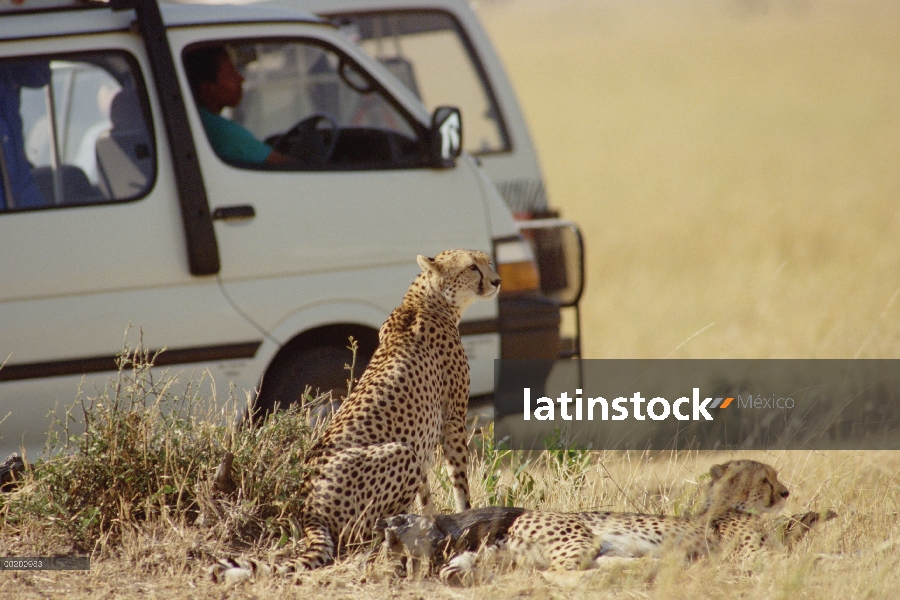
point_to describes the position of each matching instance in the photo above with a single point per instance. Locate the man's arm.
(277, 158)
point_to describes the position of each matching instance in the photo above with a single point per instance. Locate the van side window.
(427, 51)
(299, 105)
(74, 131)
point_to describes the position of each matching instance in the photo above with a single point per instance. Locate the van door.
(344, 220)
(91, 233)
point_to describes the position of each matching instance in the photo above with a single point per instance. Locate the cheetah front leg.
(456, 458)
(799, 525)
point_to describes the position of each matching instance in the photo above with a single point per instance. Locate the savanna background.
(734, 167)
(733, 164)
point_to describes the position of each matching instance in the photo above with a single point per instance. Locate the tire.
(320, 368)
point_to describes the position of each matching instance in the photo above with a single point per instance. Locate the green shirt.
(231, 141)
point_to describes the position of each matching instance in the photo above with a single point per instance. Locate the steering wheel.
(312, 140)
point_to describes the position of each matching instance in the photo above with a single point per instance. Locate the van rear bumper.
(529, 327)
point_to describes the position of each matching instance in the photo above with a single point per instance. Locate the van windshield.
(428, 52)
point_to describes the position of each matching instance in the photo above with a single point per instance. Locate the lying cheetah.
(372, 459)
(738, 494)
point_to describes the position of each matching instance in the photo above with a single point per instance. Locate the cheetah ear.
(716, 471)
(427, 264)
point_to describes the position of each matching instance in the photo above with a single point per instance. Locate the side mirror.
(446, 136)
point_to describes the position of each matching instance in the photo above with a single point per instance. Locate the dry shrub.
(148, 452)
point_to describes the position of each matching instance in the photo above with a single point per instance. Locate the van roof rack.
(30, 6)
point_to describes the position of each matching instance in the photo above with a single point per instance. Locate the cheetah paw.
(230, 572)
(459, 570)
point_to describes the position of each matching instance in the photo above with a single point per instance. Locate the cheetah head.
(461, 276)
(745, 486)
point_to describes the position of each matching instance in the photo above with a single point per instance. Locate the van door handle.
(232, 213)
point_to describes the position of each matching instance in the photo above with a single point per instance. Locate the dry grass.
(136, 494)
(728, 166)
(854, 556)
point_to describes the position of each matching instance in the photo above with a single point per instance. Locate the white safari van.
(118, 212)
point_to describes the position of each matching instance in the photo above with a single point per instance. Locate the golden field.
(733, 165)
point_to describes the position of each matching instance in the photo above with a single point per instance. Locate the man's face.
(228, 88)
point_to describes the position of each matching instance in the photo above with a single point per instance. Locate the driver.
(217, 83)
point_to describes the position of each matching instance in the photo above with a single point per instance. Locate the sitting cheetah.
(372, 459)
(738, 493)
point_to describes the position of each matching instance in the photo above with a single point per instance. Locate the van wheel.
(321, 369)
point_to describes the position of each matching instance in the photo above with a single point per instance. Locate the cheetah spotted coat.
(738, 493)
(373, 458)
